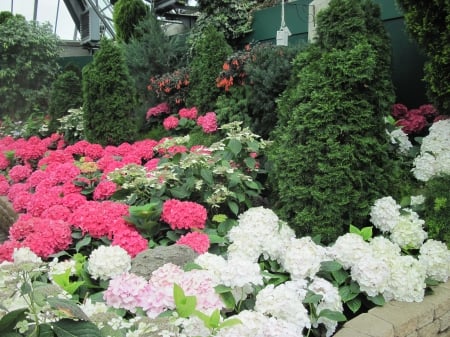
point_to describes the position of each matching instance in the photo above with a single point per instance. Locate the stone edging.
(429, 318)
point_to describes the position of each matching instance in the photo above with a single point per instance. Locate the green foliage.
(253, 81)
(231, 17)
(437, 208)
(109, 97)
(428, 22)
(150, 53)
(4, 16)
(330, 148)
(209, 55)
(28, 64)
(71, 126)
(126, 16)
(65, 94)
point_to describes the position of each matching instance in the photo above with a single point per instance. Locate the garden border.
(429, 318)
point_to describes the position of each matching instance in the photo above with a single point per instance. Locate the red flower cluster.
(171, 87)
(183, 214)
(188, 113)
(171, 122)
(415, 121)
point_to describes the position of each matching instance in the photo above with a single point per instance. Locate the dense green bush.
(108, 97)
(65, 94)
(151, 53)
(330, 147)
(437, 208)
(428, 22)
(28, 65)
(231, 17)
(208, 57)
(126, 15)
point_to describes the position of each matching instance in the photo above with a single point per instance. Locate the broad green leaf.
(250, 162)
(228, 300)
(191, 266)
(252, 184)
(25, 288)
(219, 218)
(366, 233)
(217, 239)
(178, 294)
(207, 176)
(354, 305)
(187, 307)
(45, 330)
(172, 236)
(220, 289)
(354, 230)
(83, 243)
(233, 207)
(214, 320)
(179, 192)
(8, 322)
(347, 294)
(70, 328)
(333, 315)
(230, 322)
(108, 331)
(67, 307)
(330, 266)
(377, 300)
(312, 298)
(340, 276)
(235, 146)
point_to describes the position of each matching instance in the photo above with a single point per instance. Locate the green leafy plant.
(72, 126)
(126, 15)
(29, 53)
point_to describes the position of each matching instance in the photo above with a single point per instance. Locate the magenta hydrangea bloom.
(183, 214)
(198, 241)
(208, 122)
(170, 122)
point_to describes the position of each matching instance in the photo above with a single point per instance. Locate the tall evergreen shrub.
(330, 148)
(126, 16)
(65, 94)
(428, 22)
(209, 55)
(109, 97)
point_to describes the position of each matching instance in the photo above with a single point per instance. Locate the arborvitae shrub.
(109, 97)
(126, 15)
(437, 208)
(65, 94)
(428, 22)
(330, 151)
(209, 55)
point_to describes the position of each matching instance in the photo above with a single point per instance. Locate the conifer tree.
(330, 147)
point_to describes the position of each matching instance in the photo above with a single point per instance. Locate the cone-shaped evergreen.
(109, 97)
(330, 146)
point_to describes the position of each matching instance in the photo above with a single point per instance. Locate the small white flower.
(385, 213)
(408, 232)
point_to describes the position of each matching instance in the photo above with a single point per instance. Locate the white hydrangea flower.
(255, 324)
(91, 308)
(349, 249)
(25, 255)
(398, 136)
(193, 326)
(259, 231)
(372, 275)
(434, 157)
(408, 233)
(60, 267)
(424, 166)
(284, 302)
(435, 256)
(407, 281)
(417, 200)
(302, 258)
(384, 249)
(385, 213)
(330, 300)
(106, 262)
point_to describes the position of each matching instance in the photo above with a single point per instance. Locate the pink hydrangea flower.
(183, 214)
(104, 190)
(152, 164)
(198, 241)
(4, 162)
(129, 239)
(19, 173)
(188, 113)
(162, 108)
(56, 212)
(125, 291)
(170, 122)
(7, 250)
(208, 122)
